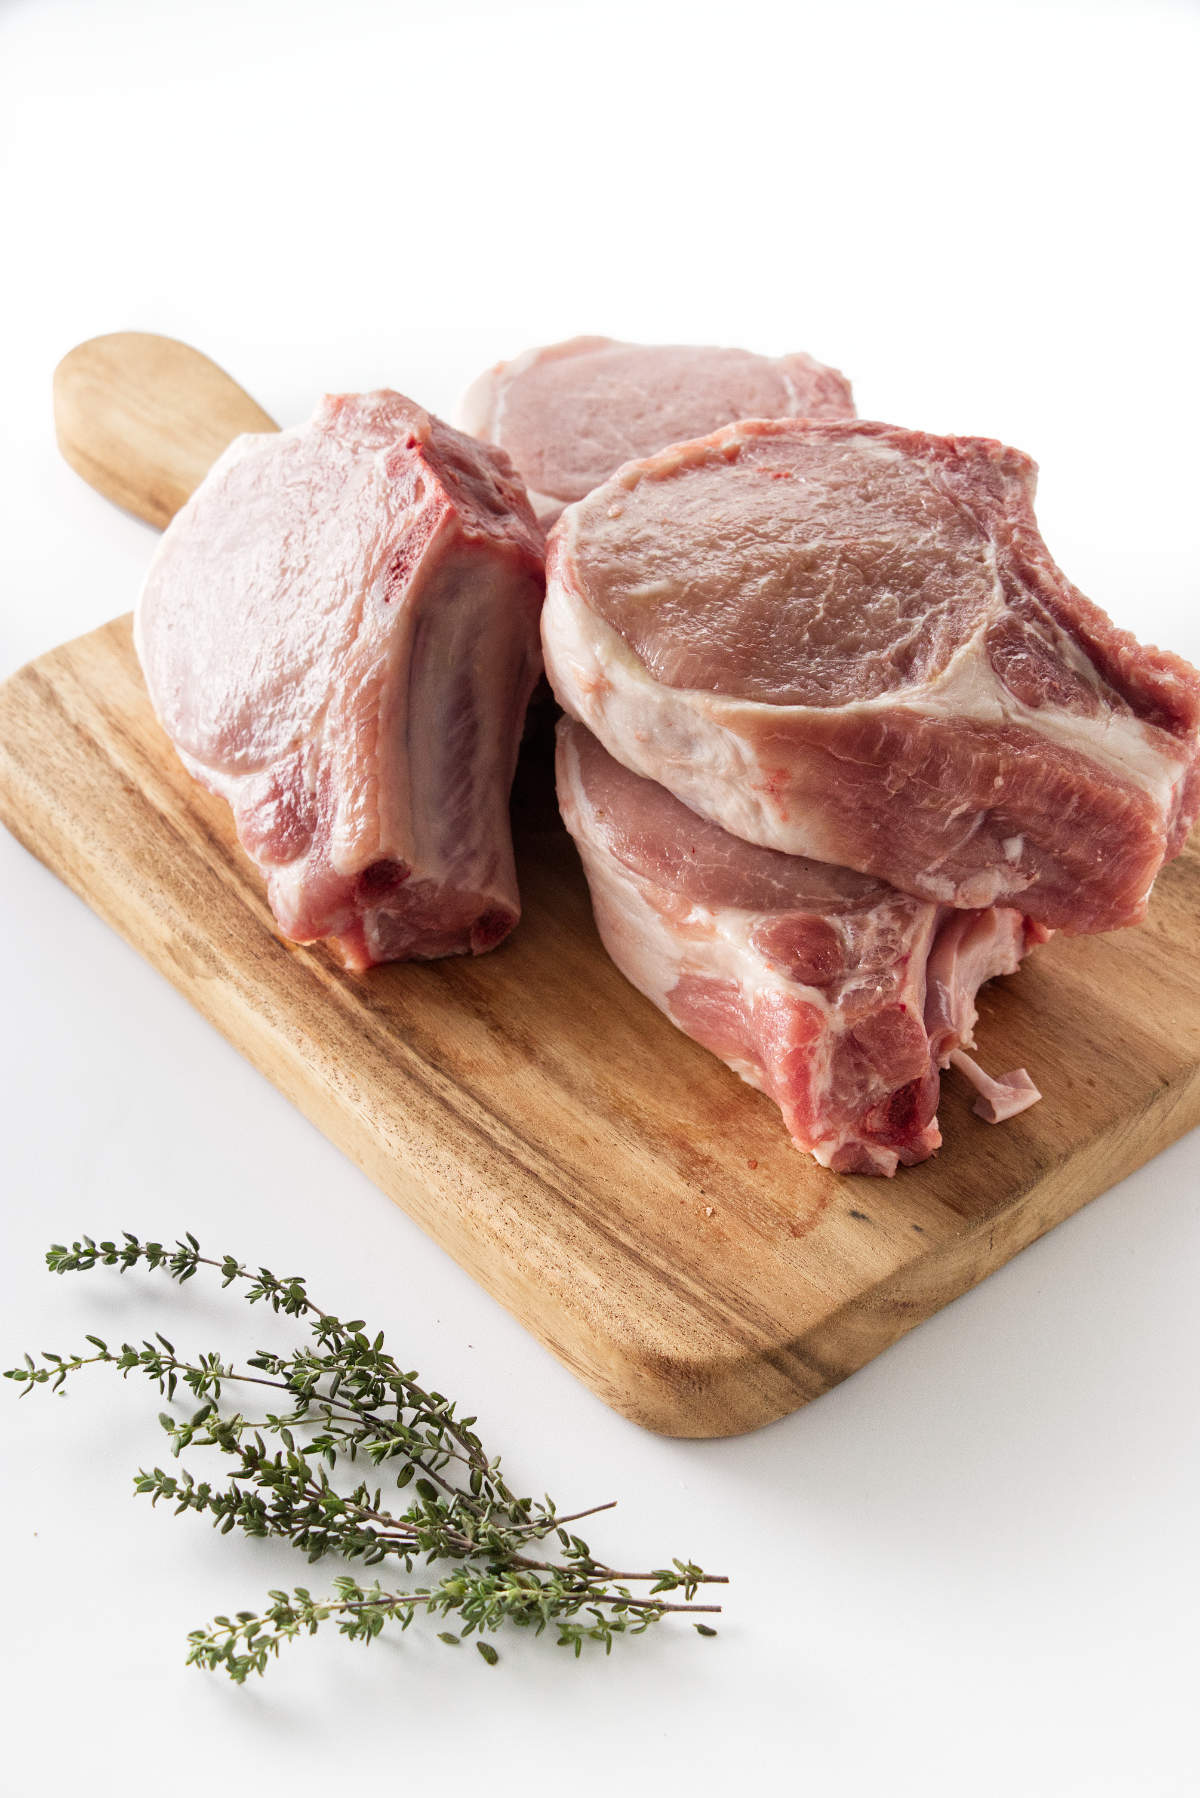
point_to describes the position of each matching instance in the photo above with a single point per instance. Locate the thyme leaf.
(340, 1398)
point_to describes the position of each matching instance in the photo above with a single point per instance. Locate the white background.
(973, 1568)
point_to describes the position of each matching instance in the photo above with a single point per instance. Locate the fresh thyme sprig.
(343, 1397)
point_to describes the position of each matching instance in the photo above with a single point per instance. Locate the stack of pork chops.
(840, 741)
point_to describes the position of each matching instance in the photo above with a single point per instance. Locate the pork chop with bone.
(339, 635)
(836, 995)
(848, 641)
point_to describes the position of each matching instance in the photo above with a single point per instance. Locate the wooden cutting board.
(629, 1200)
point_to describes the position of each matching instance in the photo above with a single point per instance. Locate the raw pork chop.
(833, 993)
(339, 634)
(849, 641)
(571, 414)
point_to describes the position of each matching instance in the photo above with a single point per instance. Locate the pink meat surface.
(339, 635)
(848, 641)
(570, 415)
(834, 994)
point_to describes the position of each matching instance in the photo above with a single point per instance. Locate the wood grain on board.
(143, 418)
(636, 1206)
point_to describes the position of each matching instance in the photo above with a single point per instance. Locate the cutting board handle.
(143, 418)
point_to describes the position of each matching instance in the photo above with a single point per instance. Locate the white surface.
(973, 1568)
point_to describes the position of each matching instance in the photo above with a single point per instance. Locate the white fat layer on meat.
(968, 688)
(484, 408)
(722, 446)
(676, 736)
(700, 744)
(482, 405)
(715, 944)
(654, 960)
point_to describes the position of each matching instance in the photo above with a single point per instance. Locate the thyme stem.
(351, 1401)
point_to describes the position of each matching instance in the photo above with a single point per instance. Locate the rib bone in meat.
(339, 635)
(848, 641)
(836, 995)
